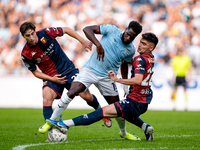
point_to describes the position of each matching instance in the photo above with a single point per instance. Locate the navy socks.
(94, 103)
(47, 112)
(90, 118)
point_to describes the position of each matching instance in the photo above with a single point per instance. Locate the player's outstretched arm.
(137, 80)
(90, 32)
(87, 45)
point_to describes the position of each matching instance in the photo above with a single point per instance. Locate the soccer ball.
(56, 135)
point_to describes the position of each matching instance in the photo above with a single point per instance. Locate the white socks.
(144, 126)
(69, 123)
(62, 105)
(121, 124)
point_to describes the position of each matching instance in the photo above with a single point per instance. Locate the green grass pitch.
(174, 130)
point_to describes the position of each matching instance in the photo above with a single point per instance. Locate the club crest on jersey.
(127, 50)
(43, 40)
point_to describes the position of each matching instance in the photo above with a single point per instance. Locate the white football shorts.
(106, 86)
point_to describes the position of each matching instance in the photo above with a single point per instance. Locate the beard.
(124, 42)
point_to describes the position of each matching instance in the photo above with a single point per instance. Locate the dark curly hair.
(135, 26)
(25, 26)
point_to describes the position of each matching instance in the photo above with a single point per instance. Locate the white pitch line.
(22, 147)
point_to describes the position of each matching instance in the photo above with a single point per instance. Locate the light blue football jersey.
(114, 52)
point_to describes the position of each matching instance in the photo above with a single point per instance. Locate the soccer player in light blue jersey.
(115, 49)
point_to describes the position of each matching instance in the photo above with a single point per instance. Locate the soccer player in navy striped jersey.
(115, 49)
(56, 70)
(136, 102)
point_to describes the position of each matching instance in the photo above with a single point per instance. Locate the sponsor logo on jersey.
(43, 40)
(139, 68)
(139, 59)
(151, 60)
(33, 53)
(147, 91)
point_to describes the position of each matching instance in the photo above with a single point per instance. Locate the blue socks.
(47, 112)
(94, 103)
(90, 118)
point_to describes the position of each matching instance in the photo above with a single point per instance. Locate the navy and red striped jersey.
(142, 64)
(47, 54)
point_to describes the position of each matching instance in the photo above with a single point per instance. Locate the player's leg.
(90, 99)
(174, 90)
(184, 84)
(132, 111)
(86, 77)
(86, 119)
(48, 97)
(109, 90)
(108, 111)
(121, 121)
(75, 89)
(147, 128)
(177, 83)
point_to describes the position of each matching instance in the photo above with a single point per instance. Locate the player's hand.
(87, 45)
(100, 53)
(126, 89)
(112, 75)
(58, 79)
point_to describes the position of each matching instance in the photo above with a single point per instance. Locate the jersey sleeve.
(29, 63)
(106, 28)
(54, 32)
(140, 65)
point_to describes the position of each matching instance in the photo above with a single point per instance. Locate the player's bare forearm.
(124, 69)
(87, 45)
(90, 32)
(72, 33)
(56, 78)
(137, 80)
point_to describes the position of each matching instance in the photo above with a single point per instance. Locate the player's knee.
(72, 93)
(87, 96)
(47, 102)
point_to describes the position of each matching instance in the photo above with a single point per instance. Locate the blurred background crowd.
(175, 22)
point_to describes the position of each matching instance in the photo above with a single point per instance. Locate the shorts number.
(74, 76)
(114, 87)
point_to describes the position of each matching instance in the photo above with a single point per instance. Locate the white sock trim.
(65, 99)
(69, 123)
(122, 126)
(143, 126)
